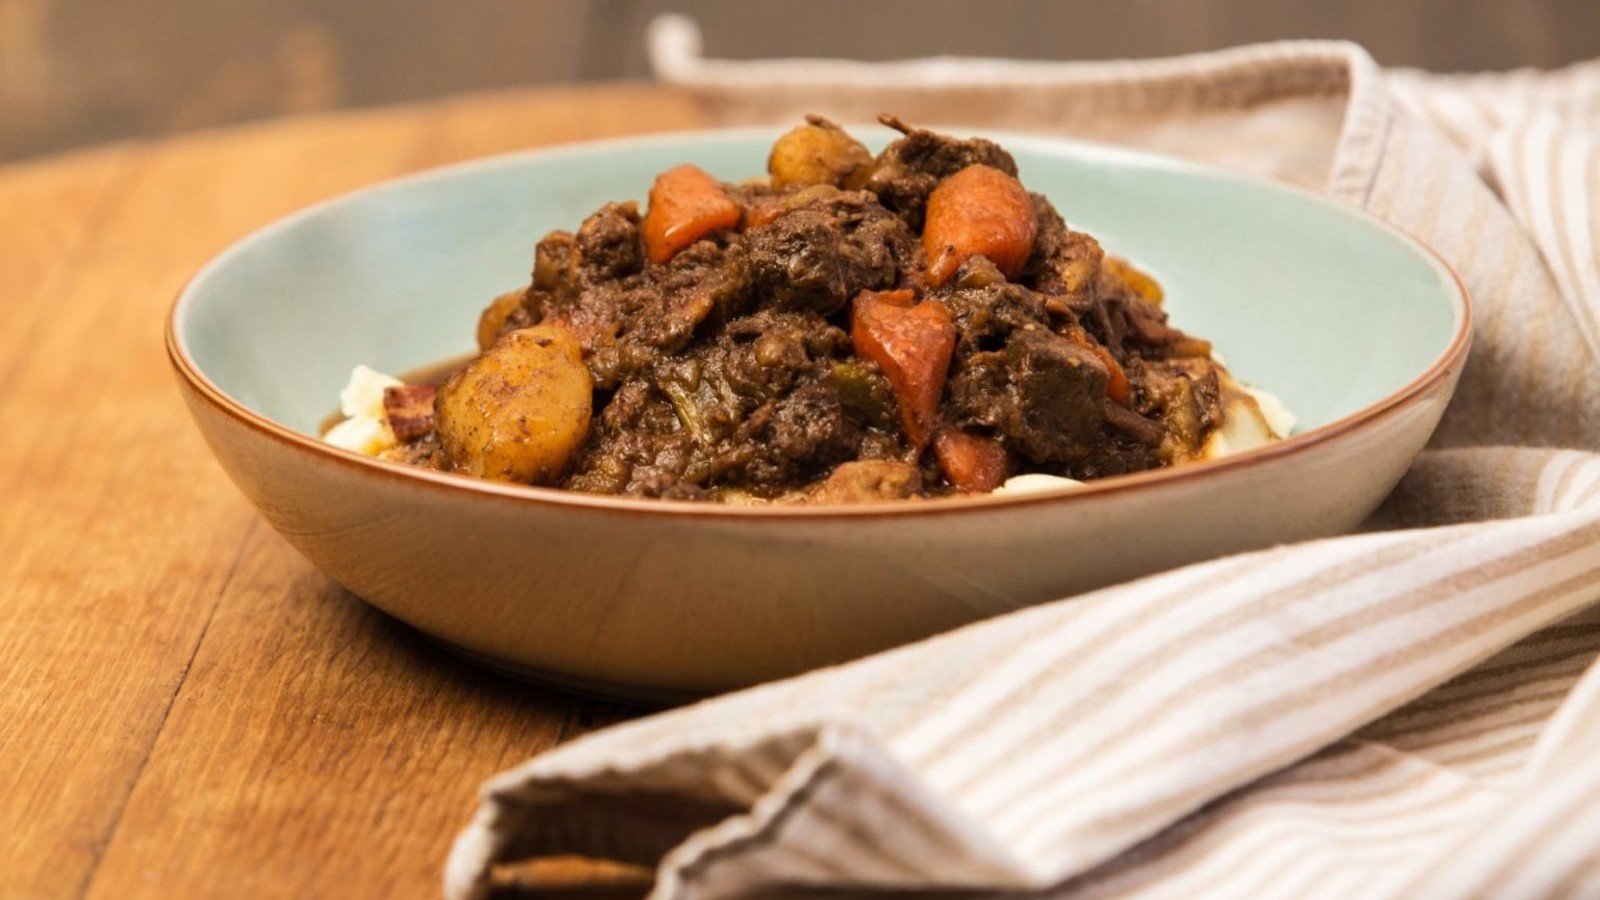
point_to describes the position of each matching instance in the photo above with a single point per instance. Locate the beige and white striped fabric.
(1413, 711)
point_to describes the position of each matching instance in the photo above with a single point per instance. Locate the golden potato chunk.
(520, 411)
(1138, 280)
(818, 152)
(494, 317)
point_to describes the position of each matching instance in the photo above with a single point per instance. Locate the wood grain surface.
(187, 707)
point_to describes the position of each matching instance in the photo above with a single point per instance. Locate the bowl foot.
(587, 688)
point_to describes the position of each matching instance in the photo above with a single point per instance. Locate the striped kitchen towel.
(1413, 711)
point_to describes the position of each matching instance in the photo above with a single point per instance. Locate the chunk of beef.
(609, 243)
(754, 408)
(978, 394)
(986, 317)
(718, 269)
(801, 260)
(768, 399)
(809, 430)
(826, 246)
(571, 286)
(1131, 424)
(555, 274)
(765, 354)
(556, 266)
(1141, 324)
(637, 446)
(1043, 396)
(1058, 388)
(907, 170)
(1146, 322)
(627, 324)
(1185, 396)
(1065, 263)
(408, 409)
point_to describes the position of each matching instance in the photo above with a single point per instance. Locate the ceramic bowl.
(1359, 330)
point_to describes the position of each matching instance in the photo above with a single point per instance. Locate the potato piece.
(869, 480)
(520, 411)
(1139, 281)
(818, 152)
(495, 315)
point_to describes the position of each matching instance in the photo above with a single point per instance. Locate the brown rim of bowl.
(1449, 360)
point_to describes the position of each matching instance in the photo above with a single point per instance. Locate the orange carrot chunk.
(912, 347)
(903, 298)
(1117, 386)
(978, 211)
(970, 462)
(686, 204)
(763, 212)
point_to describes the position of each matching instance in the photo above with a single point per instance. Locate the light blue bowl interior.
(1303, 297)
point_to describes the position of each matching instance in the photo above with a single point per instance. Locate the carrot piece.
(970, 462)
(1117, 386)
(912, 346)
(763, 212)
(686, 204)
(903, 298)
(978, 211)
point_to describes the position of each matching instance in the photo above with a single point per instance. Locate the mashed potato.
(365, 428)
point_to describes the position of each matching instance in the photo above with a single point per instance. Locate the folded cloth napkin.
(1413, 711)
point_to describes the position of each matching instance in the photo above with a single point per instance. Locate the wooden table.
(187, 707)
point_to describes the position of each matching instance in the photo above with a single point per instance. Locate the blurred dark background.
(75, 72)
